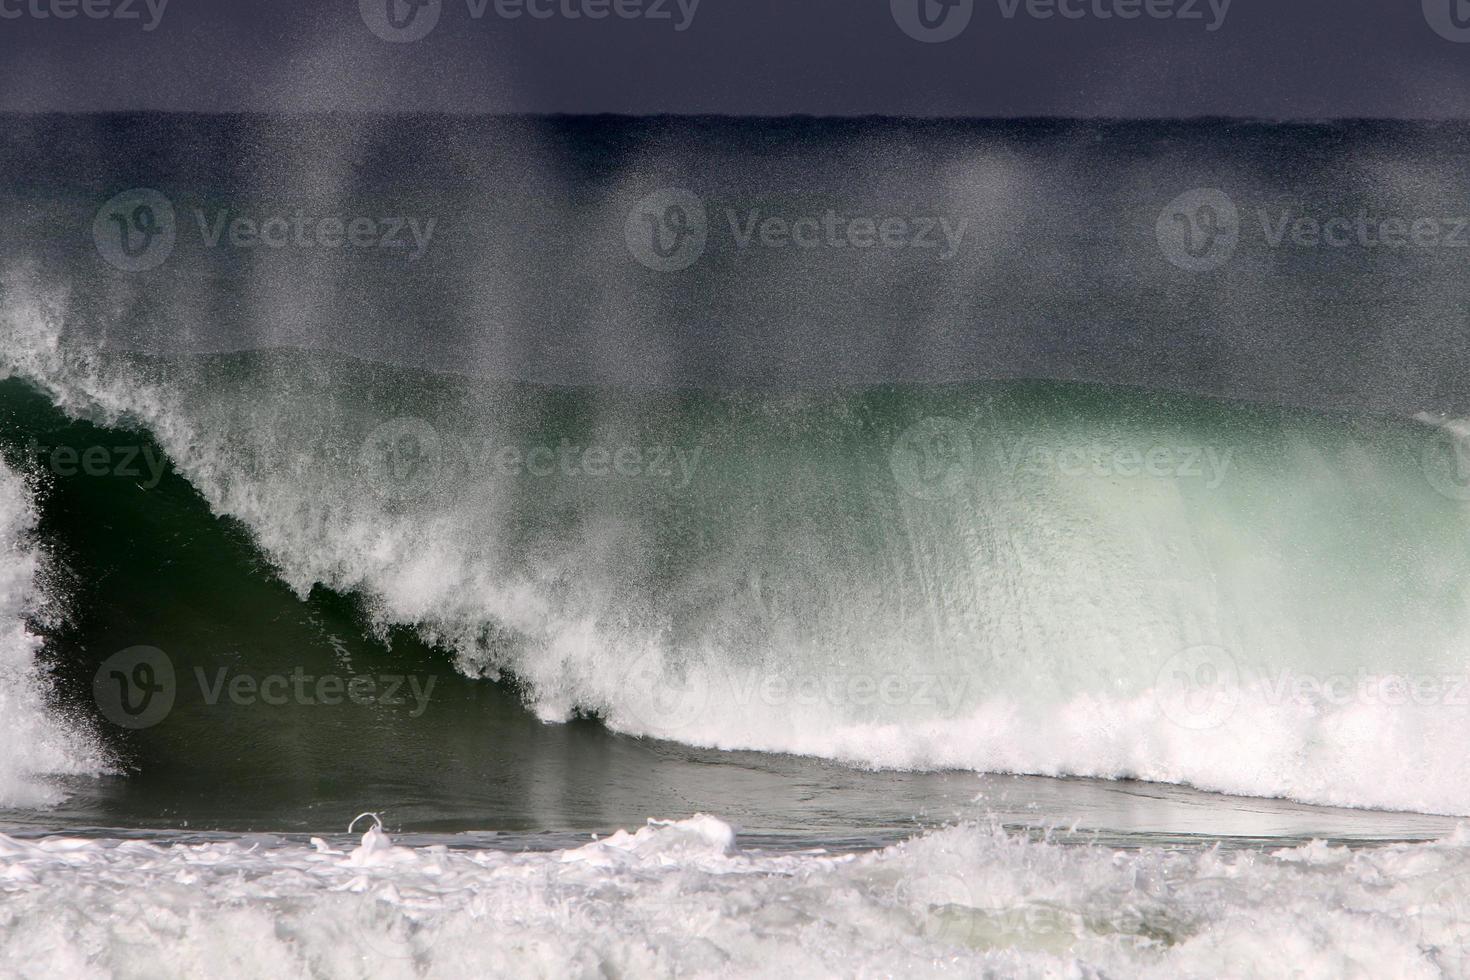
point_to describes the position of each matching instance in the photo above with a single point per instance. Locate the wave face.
(1013, 577)
(39, 743)
(747, 503)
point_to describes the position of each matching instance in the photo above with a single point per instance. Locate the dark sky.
(1264, 58)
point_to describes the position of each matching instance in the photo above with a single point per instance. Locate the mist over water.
(529, 477)
(822, 516)
(513, 248)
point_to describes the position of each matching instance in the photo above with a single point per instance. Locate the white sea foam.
(681, 899)
(1036, 628)
(38, 744)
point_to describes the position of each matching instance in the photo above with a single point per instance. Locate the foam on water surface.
(681, 898)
